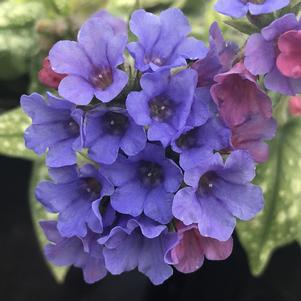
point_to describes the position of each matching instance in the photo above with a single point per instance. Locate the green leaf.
(261, 21)
(84, 7)
(38, 214)
(12, 127)
(194, 8)
(17, 36)
(125, 8)
(21, 15)
(280, 221)
(15, 48)
(296, 8)
(242, 25)
(203, 19)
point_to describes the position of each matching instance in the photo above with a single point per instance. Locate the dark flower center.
(150, 173)
(187, 140)
(160, 108)
(206, 182)
(102, 78)
(115, 123)
(73, 127)
(93, 187)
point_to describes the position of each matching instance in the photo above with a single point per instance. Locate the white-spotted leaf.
(280, 179)
(12, 127)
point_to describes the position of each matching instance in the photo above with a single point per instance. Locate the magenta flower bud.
(48, 77)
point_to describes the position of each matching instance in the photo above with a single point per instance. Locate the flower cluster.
(151, 164)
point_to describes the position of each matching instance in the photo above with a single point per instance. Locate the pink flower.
(192, 249)
(238, 96)
(289, 59)
(246, 110)
(251, 136)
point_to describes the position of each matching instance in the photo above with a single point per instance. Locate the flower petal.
(105, 149)
(259, 55)
(120, 79)
(158, 205)
(94, 37)
(137, 106)
(134, 140)
(243, 201)
(76, 89)
(68, 57)
(129, 198)
(234, 8)
(192, 49)
(61, 154)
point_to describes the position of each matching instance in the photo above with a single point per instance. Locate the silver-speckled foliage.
(280, 179)
(12, 127)
(17, 36)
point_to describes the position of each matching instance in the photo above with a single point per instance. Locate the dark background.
(24, 275)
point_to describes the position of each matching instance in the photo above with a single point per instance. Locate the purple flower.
(164, 103)
(251, 135)
(55, 127)
(145, 183)
(239, 8)
(91, 63)
(119, 26)
(219, 58)
(275, 53)
(192, 249)
(162, 40)
(140, 243)
(202, 108)
(77, 195)
(197, 145)
(84, 253)
(108, 130)
(217, 193)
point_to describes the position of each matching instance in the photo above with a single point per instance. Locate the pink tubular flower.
(246, 110)
(237, 96)
(48, 77)
(193, 248)
(251, 135)
(294, 106)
